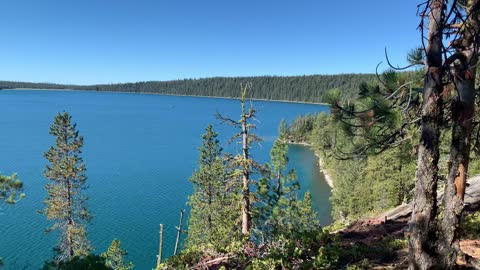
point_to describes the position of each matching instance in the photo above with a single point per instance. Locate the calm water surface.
(139, 151)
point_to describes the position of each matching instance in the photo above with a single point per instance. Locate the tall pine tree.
(245, 165)
(65, 203)
(214, 203)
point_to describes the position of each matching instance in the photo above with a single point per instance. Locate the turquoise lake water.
(139, 151)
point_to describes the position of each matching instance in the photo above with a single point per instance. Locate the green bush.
(471, 225)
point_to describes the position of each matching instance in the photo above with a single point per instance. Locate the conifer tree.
(10, 189)
(305, 218)
(245, 164)
(214, 206)
(283, 130)
(65, 203)
(115, 257)
(279, 210)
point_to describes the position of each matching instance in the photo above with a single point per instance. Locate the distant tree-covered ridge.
(311, 88)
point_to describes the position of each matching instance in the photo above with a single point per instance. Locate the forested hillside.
(310, 88)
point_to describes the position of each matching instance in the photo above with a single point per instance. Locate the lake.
(139, 151)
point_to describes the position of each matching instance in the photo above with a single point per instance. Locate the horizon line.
(186, 79)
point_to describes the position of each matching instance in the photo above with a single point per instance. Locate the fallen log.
(472, 201)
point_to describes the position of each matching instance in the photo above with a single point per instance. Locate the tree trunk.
(210, 194)
(179, 232)
(463, 108)
(422, 226)
(69, 206)
(160, 248)
(245, 178)
(70, 222)
(279, 186)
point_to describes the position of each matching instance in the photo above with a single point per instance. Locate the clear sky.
(109, 41)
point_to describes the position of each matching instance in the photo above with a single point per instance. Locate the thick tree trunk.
(456, 181)
(463, 108)
(245, 179)
(422, 227)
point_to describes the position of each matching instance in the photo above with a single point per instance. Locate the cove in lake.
(140, 151)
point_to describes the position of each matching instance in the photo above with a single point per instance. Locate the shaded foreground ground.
(369, 234)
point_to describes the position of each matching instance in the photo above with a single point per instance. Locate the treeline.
(310, 88)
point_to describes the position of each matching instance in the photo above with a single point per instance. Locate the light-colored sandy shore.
(162, 94)
(328, 177)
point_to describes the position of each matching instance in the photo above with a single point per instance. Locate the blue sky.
(109, 41)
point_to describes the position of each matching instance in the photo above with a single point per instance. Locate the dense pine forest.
(292, 88)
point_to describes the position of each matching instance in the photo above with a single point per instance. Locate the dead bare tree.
(179, 232)
(160, 248)
(244, 161)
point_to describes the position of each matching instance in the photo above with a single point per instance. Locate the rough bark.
(422, 227)
(245, 176)
(463, 107)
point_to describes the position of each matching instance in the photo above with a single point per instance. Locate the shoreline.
(327, 176)
(165, 94)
